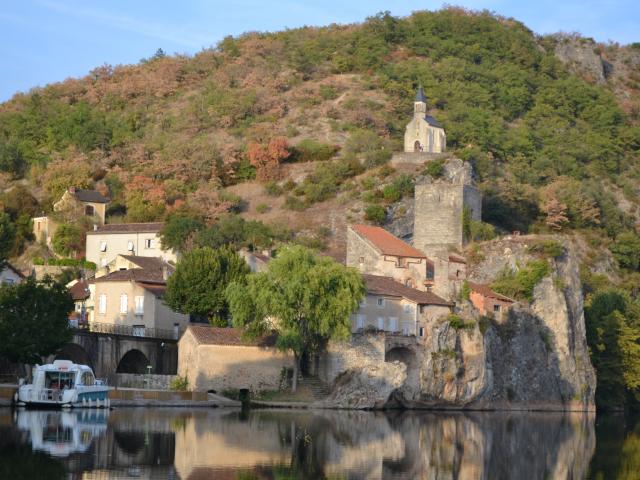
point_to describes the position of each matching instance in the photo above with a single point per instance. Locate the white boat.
(63, 384)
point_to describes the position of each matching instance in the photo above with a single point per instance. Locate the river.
(289, 444)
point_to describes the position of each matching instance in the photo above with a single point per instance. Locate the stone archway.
(134, 361)
(408, 357)
(416, 146)
(76, 353)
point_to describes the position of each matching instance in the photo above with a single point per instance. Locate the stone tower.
(439, 209)
(423, 132)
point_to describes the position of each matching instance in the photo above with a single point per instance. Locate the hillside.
(550, 123)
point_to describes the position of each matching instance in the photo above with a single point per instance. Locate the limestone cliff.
(535, 358)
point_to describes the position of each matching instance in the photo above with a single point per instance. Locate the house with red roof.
(488, 302)
(375, 251)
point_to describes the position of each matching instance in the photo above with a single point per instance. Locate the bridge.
(115, 349)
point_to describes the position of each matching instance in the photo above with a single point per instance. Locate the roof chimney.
(95, 227)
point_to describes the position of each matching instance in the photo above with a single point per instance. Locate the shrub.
(376, 214)
(435, 169)
(179, 384)
(550, 248)
(294, 203)
(328, 92)
(376, 158)
(273, 189)
(626, 250)
(484, 323)
(520, 284)
(391, 193)
(465, 291)
(309, 150)
(262, 208)
(458, 323)
(68, 239)
(481, 231)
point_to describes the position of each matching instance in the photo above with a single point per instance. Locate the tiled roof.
(206, 335)
(486, 291)
(133, 275)
(155, 288)
(80, 290)
(379, 285)
(387, 243)
(432, 121)
(149, 263)
(92, 196)
(127, 228)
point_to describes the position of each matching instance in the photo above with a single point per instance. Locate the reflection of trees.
(617, 455)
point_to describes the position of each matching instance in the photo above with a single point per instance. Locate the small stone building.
(89, 203)
(424, 133)
(392, 307)
(220, 359)
(375, 251)
(488, 302)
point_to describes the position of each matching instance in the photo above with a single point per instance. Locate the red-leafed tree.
(266, 158)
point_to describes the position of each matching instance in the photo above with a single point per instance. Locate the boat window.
(59, 380)
(87, 378)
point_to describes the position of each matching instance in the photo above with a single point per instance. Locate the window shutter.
(123, 303)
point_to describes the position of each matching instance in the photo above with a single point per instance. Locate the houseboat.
(63, 384)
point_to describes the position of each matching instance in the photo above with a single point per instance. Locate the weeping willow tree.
(307, 299)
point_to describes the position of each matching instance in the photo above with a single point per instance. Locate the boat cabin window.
(58, 380)
(87, 378)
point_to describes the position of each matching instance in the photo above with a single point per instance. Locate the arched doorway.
(134, 361)
(75, 353)
(416, 146)
(408, 357)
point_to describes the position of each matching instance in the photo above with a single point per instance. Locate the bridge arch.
(76, 353)
(134, 361)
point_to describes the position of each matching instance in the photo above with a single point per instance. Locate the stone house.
(81, 292)
(424, 133)
(220, 359)
(9, 274)
(390, 306)
(75, 203)
(375, 251)
(106, 242)
(488, 302)
(130, 300)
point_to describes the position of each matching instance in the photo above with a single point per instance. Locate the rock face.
(535, 358)
(581, 56)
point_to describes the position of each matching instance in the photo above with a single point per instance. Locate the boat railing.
(46, 394)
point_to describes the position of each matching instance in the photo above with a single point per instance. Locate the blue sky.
(43, 41)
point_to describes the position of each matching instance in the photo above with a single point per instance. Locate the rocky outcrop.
(536, 358)
(581, 55)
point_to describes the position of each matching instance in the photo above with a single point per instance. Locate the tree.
(626, 250)
(178, 229)
(198, 284)
(556, 214)
(306, 298)
(7, 236)
(68, 239)
(267, 158)
(33, 320)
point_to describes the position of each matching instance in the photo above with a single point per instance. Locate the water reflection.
(269, 444)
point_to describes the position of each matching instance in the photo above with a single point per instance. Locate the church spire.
(420, 97)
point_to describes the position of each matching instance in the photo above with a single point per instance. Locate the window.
(138, 330)
(430, 272)
(408, 308)
(103, 261)
(139, 305)
(422, 331)
(361, 260)
(402, 262)
(496, 308)
(381, 302)
(130, 246)
(88, 210)
(176, 330)
(103, 246)
(87, 379)
(150, 243)
(393, 324)
(360, 322)
(123, 303)
(409, 283)
(380, 323)
(102, 304)
(406, 328)
(363, 302)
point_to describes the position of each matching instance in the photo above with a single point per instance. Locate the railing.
(114, 329)
(46, 394)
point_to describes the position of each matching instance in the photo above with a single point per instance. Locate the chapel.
(424, 133)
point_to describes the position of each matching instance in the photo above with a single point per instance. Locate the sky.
(44, 41)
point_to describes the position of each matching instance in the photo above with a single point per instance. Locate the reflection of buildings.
(62, 433)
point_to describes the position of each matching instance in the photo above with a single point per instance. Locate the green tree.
(626, 250)
(68, 239)
(198, 284)
(7, 236)
(33, 320)
(178, 229)
(306, 298)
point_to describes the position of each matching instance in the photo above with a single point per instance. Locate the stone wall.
(360, 350)
(416, 158)
(136, 380)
